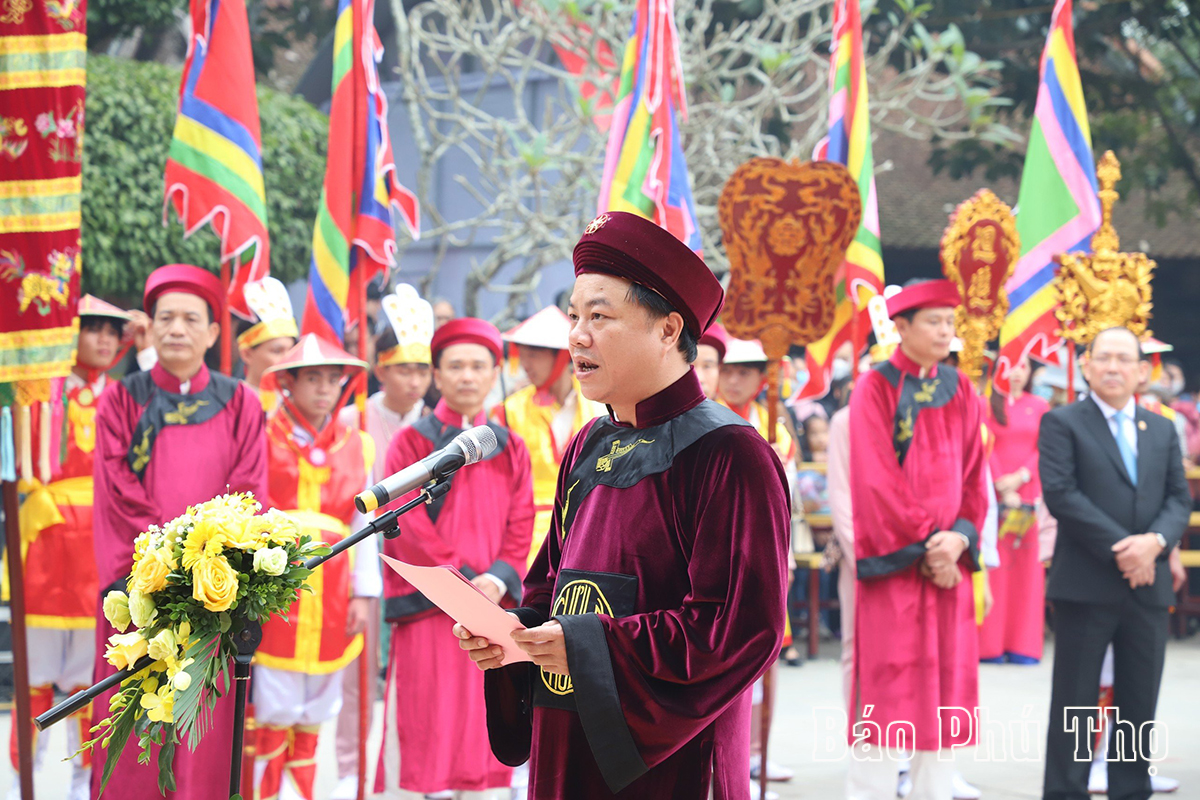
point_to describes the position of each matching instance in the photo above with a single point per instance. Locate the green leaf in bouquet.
(166, 762)
(116, 740)
(187, 702)
(226, 621)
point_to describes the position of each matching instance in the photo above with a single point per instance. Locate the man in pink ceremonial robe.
(918, 497)
(168, 438)
(435, 726)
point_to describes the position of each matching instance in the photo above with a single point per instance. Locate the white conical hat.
(313, 351)
(744, 351)
(411, 318)
(268, 300)
(549, 328)
(1150, 346)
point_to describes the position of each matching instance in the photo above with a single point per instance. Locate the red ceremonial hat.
(467, 330)
(716, 338)
(188, 279)
(635, 248)
(927, 294)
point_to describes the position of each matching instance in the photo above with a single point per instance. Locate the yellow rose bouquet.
(193, 583)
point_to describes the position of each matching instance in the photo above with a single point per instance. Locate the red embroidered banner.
(42, 59)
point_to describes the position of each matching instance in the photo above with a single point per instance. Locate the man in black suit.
(1113, 477)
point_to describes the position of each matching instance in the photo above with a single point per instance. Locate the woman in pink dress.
(1012, 632)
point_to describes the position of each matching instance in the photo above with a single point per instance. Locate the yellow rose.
(166, 554)
(149, 575)
(125, 648)
(214, 583)
(116, 610)
(141, 608)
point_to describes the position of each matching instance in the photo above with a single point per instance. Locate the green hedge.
(130, 116)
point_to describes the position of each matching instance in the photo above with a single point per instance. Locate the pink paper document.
(450, 591)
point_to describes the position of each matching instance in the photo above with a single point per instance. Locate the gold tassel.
(28, 393)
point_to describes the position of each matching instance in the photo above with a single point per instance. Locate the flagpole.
(366, 657)
(855, 321)
(20, 649)
(226, 323)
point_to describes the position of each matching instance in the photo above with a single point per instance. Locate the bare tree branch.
(476, 72)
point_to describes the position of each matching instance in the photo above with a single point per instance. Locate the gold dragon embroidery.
(605, 462)
(183, 412)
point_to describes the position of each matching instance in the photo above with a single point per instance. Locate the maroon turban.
(634, 248)
(716, 338)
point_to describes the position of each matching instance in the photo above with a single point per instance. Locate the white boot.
(1161, 785)
(81, 783)
(346, 789)
(1098, 777)
(775, 772)
(755, 795)
(964, 790)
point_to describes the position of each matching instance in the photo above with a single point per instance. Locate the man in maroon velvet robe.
(435, 733)
(918, 498)
(166, 439)
(658, 597)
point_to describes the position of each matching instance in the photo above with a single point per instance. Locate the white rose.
(116, 610)
(271, 560)
(164, 647)
(141, 609)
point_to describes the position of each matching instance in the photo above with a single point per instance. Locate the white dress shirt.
(1130, 412)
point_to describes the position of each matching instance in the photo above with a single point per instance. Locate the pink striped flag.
(1058, 209)
(849, 142)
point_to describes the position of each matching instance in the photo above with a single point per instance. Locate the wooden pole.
(769, 676)
(226, 324)
(16, 581)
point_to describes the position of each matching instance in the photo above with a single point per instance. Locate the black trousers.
(1082, 633)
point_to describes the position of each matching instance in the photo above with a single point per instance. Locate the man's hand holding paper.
(468, 606)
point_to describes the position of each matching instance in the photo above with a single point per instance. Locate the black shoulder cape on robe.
(666, 565)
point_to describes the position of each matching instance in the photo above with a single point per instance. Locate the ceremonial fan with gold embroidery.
(787, 227)
(978, 252)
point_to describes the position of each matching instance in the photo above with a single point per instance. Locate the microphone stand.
(246, 639)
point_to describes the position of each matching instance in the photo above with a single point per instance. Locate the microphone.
(469, 447)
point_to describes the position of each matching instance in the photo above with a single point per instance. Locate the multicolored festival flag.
(354, 236)
(861, 274)
(1058, 209)
(644, 168)
(214, 166)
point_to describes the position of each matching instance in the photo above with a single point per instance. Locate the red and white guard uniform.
(61, 588)
(314, 476)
